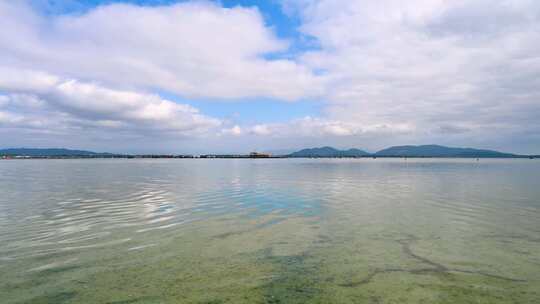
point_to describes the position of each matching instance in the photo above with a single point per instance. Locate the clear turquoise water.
(270, 231)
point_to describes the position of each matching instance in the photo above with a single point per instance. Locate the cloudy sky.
(164, 76)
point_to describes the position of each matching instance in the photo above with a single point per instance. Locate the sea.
(385, 230)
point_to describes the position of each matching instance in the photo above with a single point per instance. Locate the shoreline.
(20, 157)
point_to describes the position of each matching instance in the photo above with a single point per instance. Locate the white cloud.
(7, 117)
(194, 49)
(235, 131)
(472, 65)
(321, 128)
(261, 130)
(25, 101)
(68, 103)
(3, 100)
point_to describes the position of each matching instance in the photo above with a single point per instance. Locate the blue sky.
(252, 110)
(211, 76)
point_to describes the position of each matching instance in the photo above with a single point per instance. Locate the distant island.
(441, 151)
(31, 152)
(322, 152)
(407, 151)
(61, 153)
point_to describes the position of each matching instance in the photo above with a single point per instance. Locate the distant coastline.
(423, 151)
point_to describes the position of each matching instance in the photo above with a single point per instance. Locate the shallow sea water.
(270, 231)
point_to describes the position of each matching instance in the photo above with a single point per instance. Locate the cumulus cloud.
(53, 102)
(431, 64)
(194, 49)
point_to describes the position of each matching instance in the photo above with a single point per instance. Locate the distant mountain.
(355, 152)
(329, 152)
(405, 151)
(48, 152)
(439, 151)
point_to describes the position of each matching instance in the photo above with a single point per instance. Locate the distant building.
(259, 155)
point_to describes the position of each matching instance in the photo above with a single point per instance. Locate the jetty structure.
(259, 155)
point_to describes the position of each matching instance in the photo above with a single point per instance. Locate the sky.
(165, 76)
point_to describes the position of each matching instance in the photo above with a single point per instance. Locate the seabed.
(272, 259)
